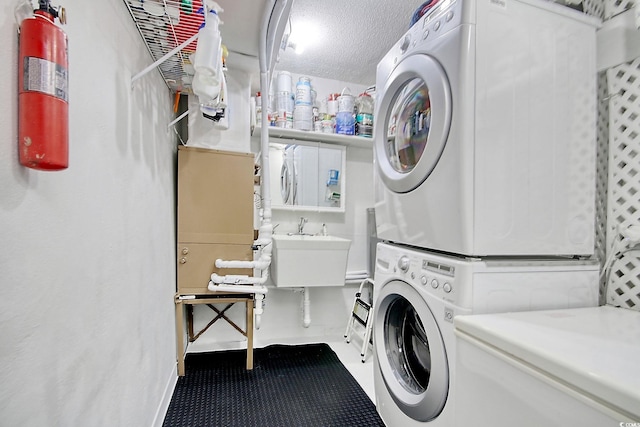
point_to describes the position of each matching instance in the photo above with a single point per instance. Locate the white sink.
(301, 261)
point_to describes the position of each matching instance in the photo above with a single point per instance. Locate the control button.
(423, 280)
(403, 264)
(449, 16)
(436, 26)
(405, 43)
(413, 275)
(446, 287)
(425, 34)
(435, 284)
(448, 315)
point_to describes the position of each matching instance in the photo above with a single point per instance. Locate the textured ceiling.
(348, 38)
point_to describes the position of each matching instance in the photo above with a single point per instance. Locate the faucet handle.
(303, 221)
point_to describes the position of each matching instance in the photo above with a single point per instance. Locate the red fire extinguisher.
(43, 94)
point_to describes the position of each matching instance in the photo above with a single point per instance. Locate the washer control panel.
(440, 19)
(436, 277)
(444, 19)
(440, 276)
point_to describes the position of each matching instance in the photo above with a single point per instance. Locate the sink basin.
(300, 260)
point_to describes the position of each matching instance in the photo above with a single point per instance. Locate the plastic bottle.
(332, 104)
(258, 109)
(208, 57)
(364, 116)
(284, 81)
(208, 50)
(345, 123)
(303, 110)
(303, 117)
(303, 91)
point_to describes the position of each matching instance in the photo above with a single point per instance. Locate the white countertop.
(595, 350)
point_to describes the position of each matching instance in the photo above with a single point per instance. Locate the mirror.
(307, 176)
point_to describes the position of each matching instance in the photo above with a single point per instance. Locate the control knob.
(403, 263)
(405, 43)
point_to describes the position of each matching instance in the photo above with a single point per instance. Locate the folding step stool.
(361, 313)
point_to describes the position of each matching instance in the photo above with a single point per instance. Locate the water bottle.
(303, 91)
(364, 115)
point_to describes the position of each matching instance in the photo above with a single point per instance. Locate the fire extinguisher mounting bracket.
(56, 12)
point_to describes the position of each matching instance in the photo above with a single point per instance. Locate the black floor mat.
(303, 385)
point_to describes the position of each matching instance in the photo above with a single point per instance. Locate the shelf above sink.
(329, 138)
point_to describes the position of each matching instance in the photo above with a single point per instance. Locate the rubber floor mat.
(301, 385)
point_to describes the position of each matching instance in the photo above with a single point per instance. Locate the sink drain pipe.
(306, 307)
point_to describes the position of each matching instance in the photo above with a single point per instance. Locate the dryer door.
(410, 351)
(412, 120)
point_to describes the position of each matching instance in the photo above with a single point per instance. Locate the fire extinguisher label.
(47, 77)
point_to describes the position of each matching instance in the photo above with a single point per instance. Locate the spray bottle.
(208, 57)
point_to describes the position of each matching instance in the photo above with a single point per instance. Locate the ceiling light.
(303, 36)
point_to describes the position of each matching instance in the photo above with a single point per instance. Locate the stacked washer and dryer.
(485, 186)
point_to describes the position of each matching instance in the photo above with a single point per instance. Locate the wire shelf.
(164, 25)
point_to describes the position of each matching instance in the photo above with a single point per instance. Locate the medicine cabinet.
(307, 176)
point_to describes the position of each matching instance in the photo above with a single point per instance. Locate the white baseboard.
(166, 397)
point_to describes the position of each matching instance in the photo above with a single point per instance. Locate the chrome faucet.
(303, 221)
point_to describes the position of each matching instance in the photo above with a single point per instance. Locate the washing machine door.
(412, 121)
(410, 352)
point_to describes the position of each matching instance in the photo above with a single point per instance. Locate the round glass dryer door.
(410, 352)
(414, 113)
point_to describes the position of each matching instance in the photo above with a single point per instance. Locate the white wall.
(87, 275)
(330, 307)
